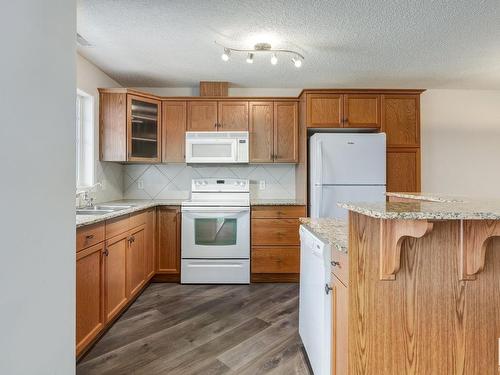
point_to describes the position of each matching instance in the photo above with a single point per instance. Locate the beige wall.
(461, 142)
(110, 175)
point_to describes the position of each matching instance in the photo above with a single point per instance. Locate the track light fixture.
(263, 48)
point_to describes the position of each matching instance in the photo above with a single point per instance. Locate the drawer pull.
(327, 289)
(89, 236)
(334, 263)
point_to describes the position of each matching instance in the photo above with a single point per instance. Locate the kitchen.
(274, 202)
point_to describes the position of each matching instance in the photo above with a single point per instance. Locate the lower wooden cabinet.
(149, 250)
(275, 254)
(340, 308)
(136, 270)
(115, 284)
(169, 243)
(89, 295)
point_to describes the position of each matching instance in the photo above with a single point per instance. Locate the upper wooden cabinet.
(222, 115)
(273, 132)
(202, 116)
(403, 169)
(173, 131)
(286, 132)
(232, 116)
(129, 127)
(401, 120)
(362, 111)
(337, 110)
(324, 110)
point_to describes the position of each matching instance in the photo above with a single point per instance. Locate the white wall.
(89, 78)
(461, 142)
(37, 224)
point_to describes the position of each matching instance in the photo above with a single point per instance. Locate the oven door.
(216, 232)
(211, 150)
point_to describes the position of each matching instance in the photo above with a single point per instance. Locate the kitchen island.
(423, 288)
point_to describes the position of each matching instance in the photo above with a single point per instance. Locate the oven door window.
(215, 231)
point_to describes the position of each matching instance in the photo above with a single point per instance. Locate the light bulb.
(225, 55)
(250, 58)
(274, 59)
(297, 62)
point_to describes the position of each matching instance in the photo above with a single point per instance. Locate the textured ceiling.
(346, 43)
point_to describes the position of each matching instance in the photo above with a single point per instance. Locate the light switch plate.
(140, 184)
(262, 184)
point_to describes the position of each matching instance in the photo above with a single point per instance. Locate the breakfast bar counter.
(424, 287)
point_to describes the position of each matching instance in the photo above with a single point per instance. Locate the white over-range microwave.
(216, 147)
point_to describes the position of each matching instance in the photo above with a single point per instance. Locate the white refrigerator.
(345, 167)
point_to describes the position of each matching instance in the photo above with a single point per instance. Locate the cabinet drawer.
(276, 259)
(278, 212)
(340, 266)
(117, 226)
(139, 218)
(89, 235)
(275, 232)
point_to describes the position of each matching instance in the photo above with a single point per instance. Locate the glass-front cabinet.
(143, 133)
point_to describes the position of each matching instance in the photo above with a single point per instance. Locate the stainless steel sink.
(101, 209)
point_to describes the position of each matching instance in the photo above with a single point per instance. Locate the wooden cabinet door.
(169, 244)
(261, 131)
(340, 309)
(89, 295)
(362, 111)
(233, 116)
(403, 169)
(401, 120)
(143, 129)
(324, 110)
(275, 232)
(136, 270)
(174, 131)
(286, 132)
(115, 280)
(202, 116)
(149, 250)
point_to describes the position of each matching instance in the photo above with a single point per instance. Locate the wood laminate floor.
(204, 329)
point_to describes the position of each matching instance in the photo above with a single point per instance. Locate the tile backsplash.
(172, 181)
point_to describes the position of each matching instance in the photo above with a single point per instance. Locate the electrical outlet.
(262, 184)
(140, 184)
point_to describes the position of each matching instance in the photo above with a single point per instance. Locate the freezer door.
(348, 159)
(327, 197)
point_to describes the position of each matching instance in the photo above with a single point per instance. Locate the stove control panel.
(220, 185)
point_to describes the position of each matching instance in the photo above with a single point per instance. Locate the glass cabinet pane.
(144, 133)
(215, 231)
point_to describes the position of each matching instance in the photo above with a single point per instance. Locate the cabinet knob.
(327, 289)
(89, 236)
(106, 252)
(334, 263)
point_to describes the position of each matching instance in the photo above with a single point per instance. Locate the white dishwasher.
(315, 313)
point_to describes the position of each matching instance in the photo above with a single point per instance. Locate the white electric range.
(215, 244)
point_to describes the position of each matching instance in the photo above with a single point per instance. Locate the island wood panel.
(401, 120)
(275, 232)
(324, 110)
(202, 116)
(267, 259)
(362, 111)
(261, 129)
(340, 324)
(286, 132)
(89, 295)
(115, 278)
(426, 321)
(173, 122)
(169, 243)
(112, 127)
(403, 169)
(233, 116)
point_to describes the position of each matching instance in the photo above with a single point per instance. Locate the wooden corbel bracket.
(474, 237)
(392, 235)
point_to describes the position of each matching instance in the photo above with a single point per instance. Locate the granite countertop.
(431, 197)
(333, 231)
(142, 204)
(424, 210)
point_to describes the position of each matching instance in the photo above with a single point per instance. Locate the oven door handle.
(216, 209)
